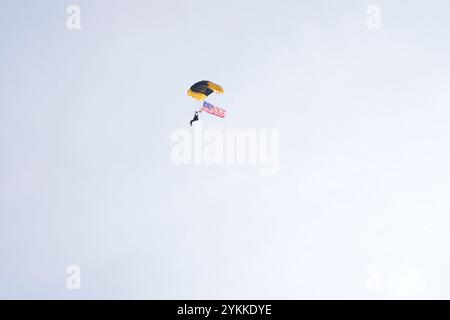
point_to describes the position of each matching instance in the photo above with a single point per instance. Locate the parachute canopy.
(202, 89)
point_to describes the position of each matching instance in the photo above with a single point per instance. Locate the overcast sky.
(360, 205)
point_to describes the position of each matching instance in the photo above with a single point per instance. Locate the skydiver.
(195, 118)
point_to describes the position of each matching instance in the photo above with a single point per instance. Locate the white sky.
(360, 206)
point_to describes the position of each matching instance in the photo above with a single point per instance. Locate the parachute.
(200, 91)
(203, 89)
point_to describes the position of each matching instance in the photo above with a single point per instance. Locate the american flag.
(207, 107)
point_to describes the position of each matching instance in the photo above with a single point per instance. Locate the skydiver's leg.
(193, 120)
